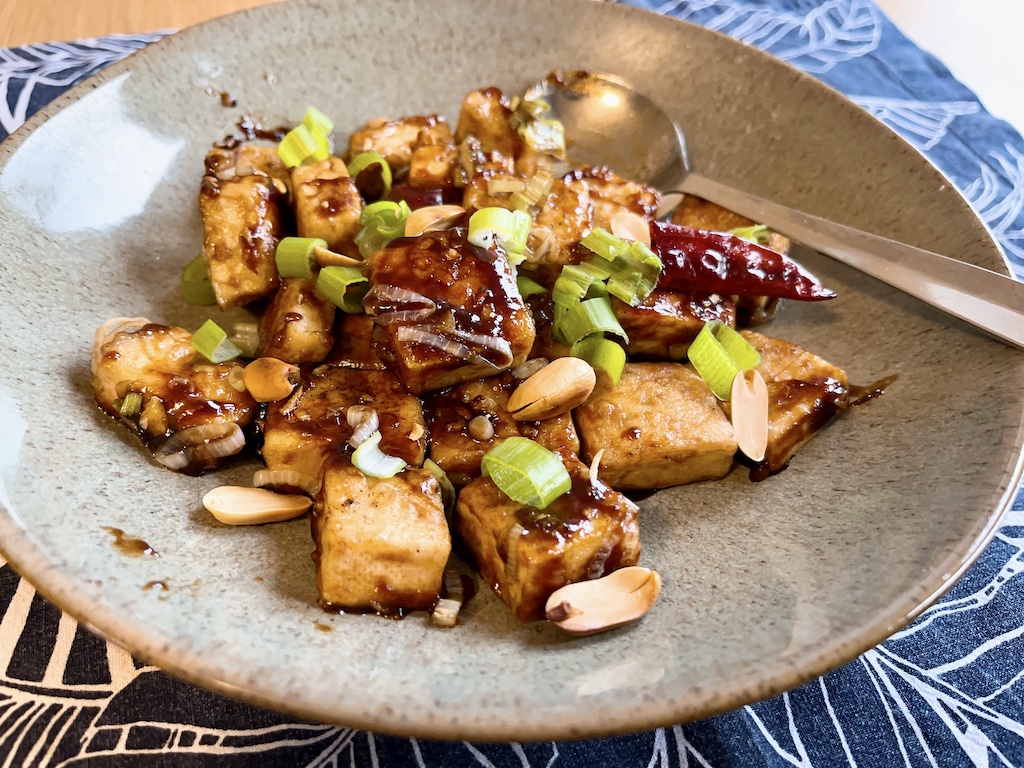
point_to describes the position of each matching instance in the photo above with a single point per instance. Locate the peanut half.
(555, 389)
(269, 379)
(235, 505)
(588, 607)
(432, 217)
(748, 402)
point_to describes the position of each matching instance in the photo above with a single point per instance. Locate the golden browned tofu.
(240, 205)
(381, 544)
(327, 204)
(396, 140)
(611, 194)
(475, 195)
(804, 394)
(453, 445)
(353, 344)
(304, 431)
(525, 554)
(484, 115)
(666, 322)
(180, 388)
(545, 344)
(564, 218)
(661, 426)
(297, 324)
(432, 165)
(446, 311)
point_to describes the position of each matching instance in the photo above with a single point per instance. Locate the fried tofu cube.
(484, 115)
(381, 544)
(180, 388)
(311, 427)
(611, 194)
(660, 426)
(433, 165)
(297, 324)
(526, 553)
(665, 323)
(396, 140)
(476, 194)
(327, 204)
(242, 223)
(804, 394)
(353, 344)
(450, 411)
(476, 322)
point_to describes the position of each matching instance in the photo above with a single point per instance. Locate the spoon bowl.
(608, 122)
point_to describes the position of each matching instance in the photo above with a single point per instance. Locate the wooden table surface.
(977, 40)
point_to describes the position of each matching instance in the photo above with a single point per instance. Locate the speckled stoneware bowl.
(766, 585)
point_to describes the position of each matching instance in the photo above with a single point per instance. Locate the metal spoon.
(607, 122)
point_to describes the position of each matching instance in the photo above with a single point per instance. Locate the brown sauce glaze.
(130, 545)
(250, 129)
(160, 586)
(322, 627)
(860, 395)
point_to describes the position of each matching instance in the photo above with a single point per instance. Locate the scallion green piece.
(529, 287)
(545, 135)
(526, 472)
(601, 353)
(196, 288)
(382, 222)
(211, 341)
(315, 119)
(333, 284)
(718, 354)
(369, 459)
(587, 317)
(131, 404)
(364, 160)
(509, 229)
(758, 234)
(295, 256)
(605, 244)
(305, 143)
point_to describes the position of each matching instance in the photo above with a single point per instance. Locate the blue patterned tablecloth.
(946, 691)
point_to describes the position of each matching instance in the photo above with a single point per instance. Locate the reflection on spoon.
(608, 122)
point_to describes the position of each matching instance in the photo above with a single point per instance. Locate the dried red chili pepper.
(698, 261)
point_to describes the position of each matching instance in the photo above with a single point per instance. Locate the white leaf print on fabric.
(57, 65)
(833, 32)
(922, 123)
(1001, 204)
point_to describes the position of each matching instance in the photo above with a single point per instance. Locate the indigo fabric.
(946, 691)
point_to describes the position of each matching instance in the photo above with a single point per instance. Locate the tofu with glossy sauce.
(525, 554)
(469, 317)
(327, 204)
(381, 544)
(297, 325)
(661, 426)
(240, 203)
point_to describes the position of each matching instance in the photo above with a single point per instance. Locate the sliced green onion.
(758, 234)
(315, 119)
(504, 185)
(526, 110)
(305, 143)
(545, 135)
(718, 354)
(295, 256)
(509, 229)
(448, 494)
(211, 341)
(601, 353)
(196, 288)
(130, 405)
(369, 459)
(575, 281)
(333, 284)
(382, 222)
(528, 286)
(587, 317)
(605, 244)
(536, 189)
(364, 160)
(526, 472)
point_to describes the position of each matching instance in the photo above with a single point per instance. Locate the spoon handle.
(990, 301)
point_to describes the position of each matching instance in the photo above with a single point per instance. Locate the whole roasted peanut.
(555, 389)
(235, 505)
(588, 607)
(269, 379)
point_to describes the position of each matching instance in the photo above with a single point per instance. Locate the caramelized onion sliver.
(364, 422)
(111, 328)
(283, 480)
(418, 334)
(207, 441)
